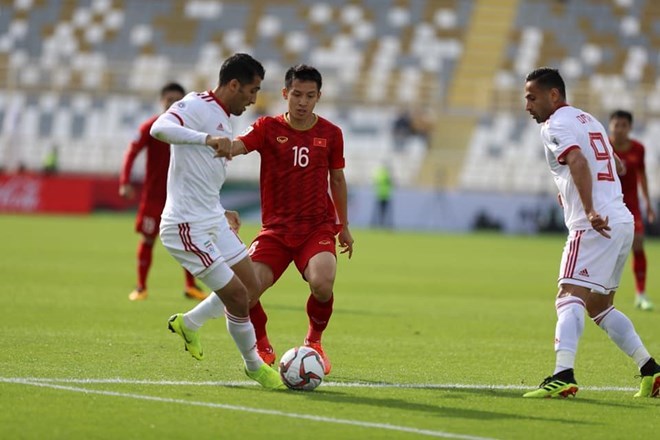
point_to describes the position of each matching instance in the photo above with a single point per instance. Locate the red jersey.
(294, 173)
(154, 191)
(633, 159)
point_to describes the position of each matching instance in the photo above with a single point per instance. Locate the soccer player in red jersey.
(631, 153)
(300, 153)
(154, 194)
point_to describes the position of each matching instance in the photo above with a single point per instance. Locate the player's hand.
(650, 215)
(346, 241)
(600, 225)
(221, 145)
(234, 220)
(127, 191)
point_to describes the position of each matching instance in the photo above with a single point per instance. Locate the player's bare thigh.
(594, 301)
(320, 274)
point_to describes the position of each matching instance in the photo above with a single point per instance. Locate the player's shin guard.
(570, 324)
(319, 314)
(242, 331)
(622, 332)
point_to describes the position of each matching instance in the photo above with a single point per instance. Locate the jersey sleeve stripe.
(562, 157)
(177, 116)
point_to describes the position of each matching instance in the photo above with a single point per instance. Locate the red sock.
(144, 253)
(639, 269)
(259, 318)
(190, 279)
(319, 314)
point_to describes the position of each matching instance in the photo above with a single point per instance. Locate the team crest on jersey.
(319, 142)
(282, 139)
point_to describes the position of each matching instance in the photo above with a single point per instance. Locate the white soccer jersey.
(569, 128)
(195, 175)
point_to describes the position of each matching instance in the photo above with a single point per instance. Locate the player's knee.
(235, 298)
(322, 287)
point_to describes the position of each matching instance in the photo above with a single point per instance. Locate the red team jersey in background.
(633, 159)
(294, 175)
(154, 191)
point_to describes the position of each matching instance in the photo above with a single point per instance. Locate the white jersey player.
(195, 228)
(583, 165)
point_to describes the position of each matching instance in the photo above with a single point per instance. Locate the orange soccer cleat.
(316, 345)
(138, 295)
(195, 292)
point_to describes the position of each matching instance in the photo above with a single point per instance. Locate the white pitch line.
(385, 426)
(238, 383)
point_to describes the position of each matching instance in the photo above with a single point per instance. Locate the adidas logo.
(584, 272)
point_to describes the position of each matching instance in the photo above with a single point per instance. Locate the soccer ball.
(301, 368)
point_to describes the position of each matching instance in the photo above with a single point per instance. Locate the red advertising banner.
(36, 193)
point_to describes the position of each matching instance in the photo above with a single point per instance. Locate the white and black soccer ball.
(301, 368)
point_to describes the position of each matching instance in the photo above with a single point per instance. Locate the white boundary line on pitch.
(238, 383)
(385, 426)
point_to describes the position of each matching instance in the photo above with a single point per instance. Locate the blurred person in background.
(633, 178)
(153, 195)
(383, 186)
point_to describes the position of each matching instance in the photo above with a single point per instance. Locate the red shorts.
(277, 252)
(147, 221)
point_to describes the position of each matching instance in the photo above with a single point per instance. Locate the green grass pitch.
(433, 335)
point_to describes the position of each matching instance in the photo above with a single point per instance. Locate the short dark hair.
(172, 87)
(242, 67)
(623, 115)
(548, 78)
(302, 72)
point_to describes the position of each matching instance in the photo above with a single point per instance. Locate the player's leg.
(195, 248)
(318, 258)
(617, 325)
(270, 258)
(144, 257)
(192, 290)
(570, 307)
(639, 267)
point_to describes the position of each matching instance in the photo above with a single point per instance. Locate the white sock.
(242, 330)
(211, 308)
(570, 324)
(621, 330)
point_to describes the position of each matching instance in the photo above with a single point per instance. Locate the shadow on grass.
(334, 396)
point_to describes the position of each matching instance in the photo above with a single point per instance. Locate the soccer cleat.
(642, 302)
(267, 377)
(552, 387)
(195, 292)
(327, 366)
(267, 354)
(138, 295)
(190, 337)
(650, 386)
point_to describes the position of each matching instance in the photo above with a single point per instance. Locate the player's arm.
(340, 198)
(126, 190)
(620, 166)
(169, 128)
(238, 147)
(581, 175)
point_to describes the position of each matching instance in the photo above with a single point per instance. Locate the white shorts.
(593, 261)
(207, 250)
